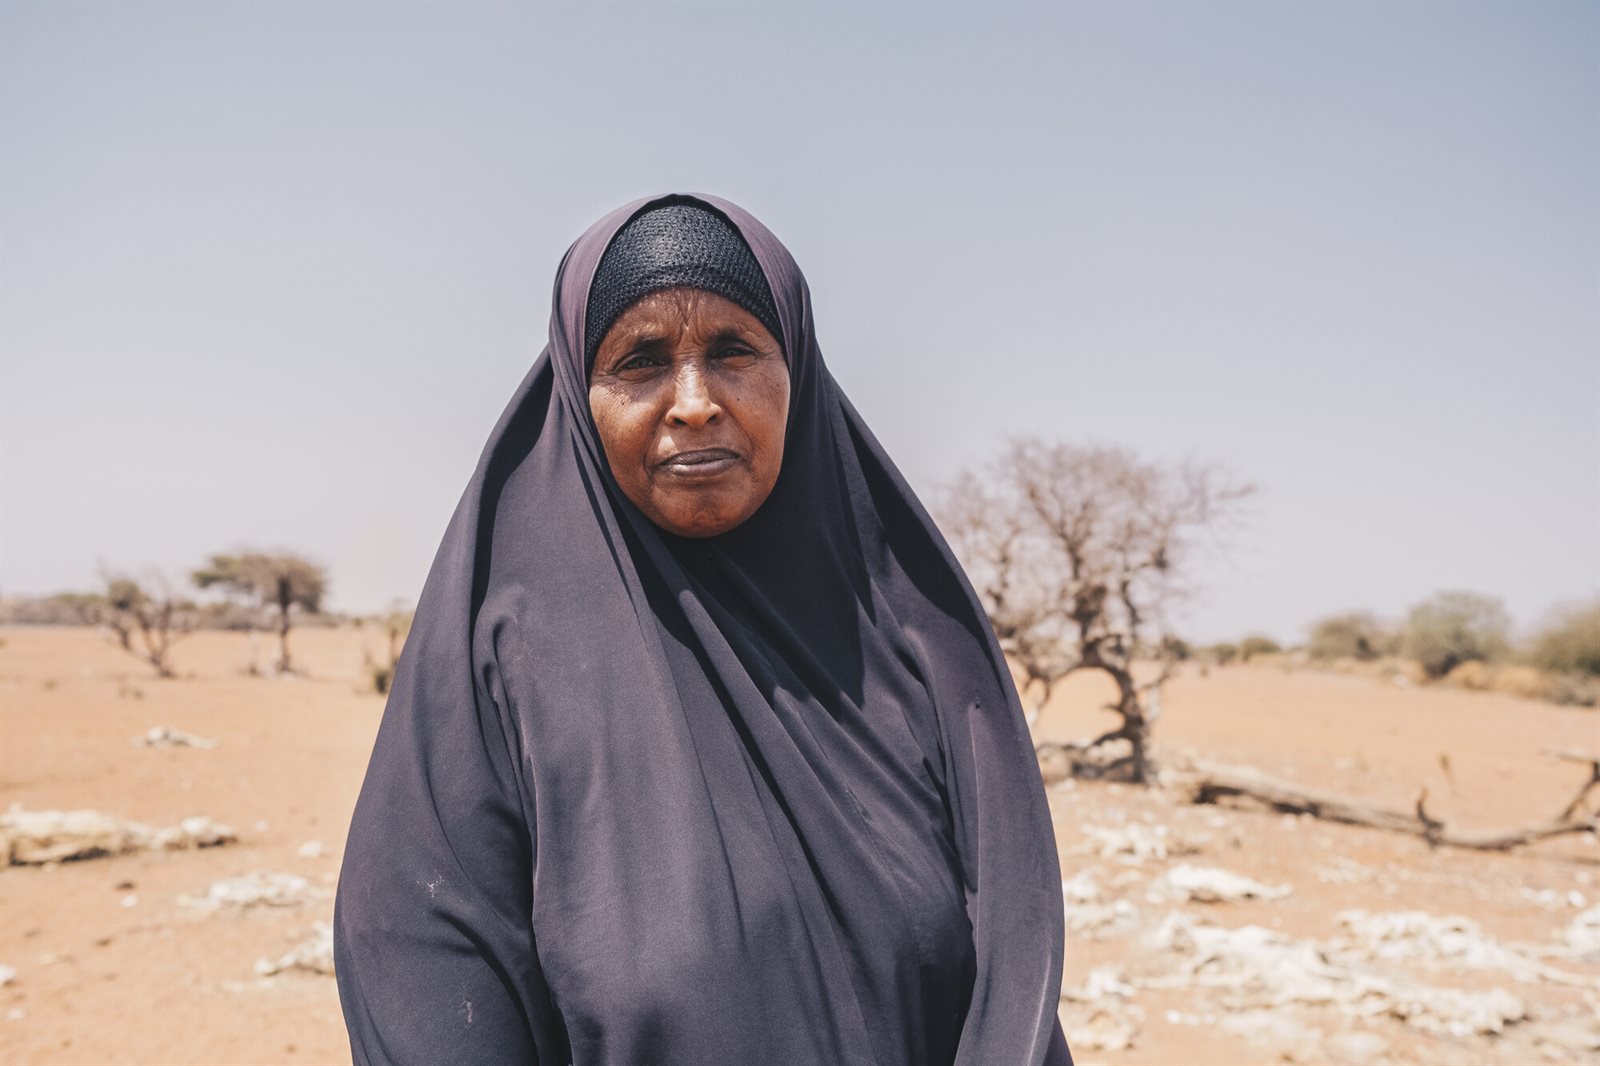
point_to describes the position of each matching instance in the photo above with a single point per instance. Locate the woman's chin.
(703, 515)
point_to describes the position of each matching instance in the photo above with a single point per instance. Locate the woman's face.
(690, 393)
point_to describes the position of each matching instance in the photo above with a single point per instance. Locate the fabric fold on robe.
(762, 798)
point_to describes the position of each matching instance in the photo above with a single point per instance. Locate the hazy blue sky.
(268, 273)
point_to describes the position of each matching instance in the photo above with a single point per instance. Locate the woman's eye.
(638, 361)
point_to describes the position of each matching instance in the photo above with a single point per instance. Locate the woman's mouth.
(700, 464)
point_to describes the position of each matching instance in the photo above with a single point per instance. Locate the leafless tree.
(277, 582)
(127, 609)
(1078, 553)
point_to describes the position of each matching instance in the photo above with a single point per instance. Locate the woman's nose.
(692, 403)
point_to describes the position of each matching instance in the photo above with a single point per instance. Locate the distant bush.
(1570, 643)
(1476, 675)
(395, 626)
(1530, 683)
(1450, 628)
(62, 609)
(1398, 670)
(1252, 646)
(382, 678)
(1472, 674)
(1515, 679)
(81, 608)
(1576, 690)
(1352, 635)
(1179, 651)
(1223, 654)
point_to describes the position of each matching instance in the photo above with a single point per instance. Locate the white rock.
(1099, 921)
(1274, 1029)
(1100, 982)
(1258, 969)
(1547, 898)
(1422, 936)
(1583, 935)
(259, 888)
(164, 736)
(31, 838)
(1550, 899)
(37, 837)
(314, 954)
(1211, 884)
(1455, 1013)
(1356, 1047)
(1437, 941)
(1104, 1026)
(1135, 843)
(1080, 888)
(195, 832)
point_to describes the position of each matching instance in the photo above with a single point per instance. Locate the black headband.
(676, 244)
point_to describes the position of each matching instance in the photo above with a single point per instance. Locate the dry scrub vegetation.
(1079, 554)
(1229, 933)
(1196, 933)
(1375, 847)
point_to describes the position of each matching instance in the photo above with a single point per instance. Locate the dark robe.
(763, 798)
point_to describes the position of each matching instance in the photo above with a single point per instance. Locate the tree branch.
(1210, 782)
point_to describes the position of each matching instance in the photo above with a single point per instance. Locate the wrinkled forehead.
(578, 270)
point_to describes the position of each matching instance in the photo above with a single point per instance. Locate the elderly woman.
(701, 750)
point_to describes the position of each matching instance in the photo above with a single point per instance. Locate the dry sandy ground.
(111, 967)
(1483, 760)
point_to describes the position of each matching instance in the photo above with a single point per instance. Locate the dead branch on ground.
(1205, 782)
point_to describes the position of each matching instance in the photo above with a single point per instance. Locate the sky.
(270, 272)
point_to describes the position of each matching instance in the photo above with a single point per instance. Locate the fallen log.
(1204, 782)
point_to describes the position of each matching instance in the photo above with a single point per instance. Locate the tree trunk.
(1136, 728)
(283, 635)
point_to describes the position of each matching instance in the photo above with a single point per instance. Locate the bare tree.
(126, 609)
(1077, 554)
(277, 582)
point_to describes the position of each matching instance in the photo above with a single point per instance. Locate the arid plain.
(1366, 946)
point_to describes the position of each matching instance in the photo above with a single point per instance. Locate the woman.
(700, 750)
